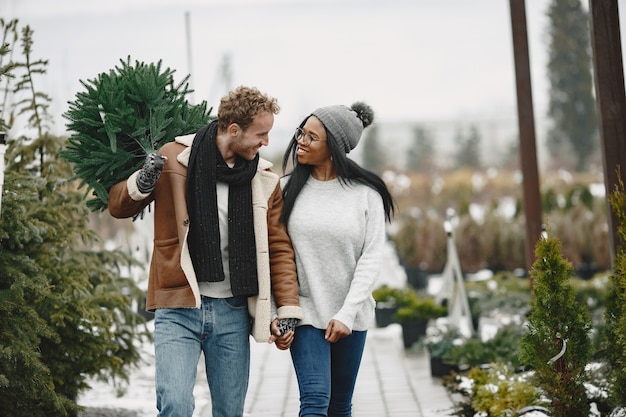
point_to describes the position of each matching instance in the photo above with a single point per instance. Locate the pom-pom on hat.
(345, 123)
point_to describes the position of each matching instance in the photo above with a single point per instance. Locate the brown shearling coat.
(172, 282)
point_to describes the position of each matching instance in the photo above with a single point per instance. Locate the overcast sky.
(411, 60)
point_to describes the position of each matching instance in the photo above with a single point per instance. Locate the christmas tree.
(122, 116)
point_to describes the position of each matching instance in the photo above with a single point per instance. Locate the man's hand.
(283, 340)
(336, 330)
(287, 324)
(150, 172)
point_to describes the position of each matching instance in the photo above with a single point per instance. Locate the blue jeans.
(326, 371)
(220, 329)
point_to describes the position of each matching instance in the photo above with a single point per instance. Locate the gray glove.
(285, 325)
(150, 173)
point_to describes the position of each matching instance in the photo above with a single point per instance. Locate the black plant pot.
(439, 368)
(586, 270)
(384, 313)
(416, 277)
(412, 330)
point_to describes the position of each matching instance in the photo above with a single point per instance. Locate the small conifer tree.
(557, 345)
(615, 313)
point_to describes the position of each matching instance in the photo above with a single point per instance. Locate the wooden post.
(611, 101)
(526, 122)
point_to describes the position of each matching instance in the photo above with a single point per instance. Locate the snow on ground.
(139, 395)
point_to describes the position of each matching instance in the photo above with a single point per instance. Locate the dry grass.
(494, 240)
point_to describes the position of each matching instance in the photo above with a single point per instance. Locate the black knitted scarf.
(206, 166)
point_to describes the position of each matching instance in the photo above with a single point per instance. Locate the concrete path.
(392, 382)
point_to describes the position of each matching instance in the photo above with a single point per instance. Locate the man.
(222, 260)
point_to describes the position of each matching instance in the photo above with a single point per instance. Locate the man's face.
(247, 142)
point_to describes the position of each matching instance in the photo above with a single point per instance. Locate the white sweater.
(338, 234)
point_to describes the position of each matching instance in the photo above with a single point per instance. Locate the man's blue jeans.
(326, 371)
(220, 329)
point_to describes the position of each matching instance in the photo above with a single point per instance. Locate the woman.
(335, 213)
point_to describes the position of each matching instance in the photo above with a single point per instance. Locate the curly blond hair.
(241, 106)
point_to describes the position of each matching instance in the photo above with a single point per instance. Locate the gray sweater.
(338, 234)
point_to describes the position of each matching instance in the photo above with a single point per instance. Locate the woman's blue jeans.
(220, 329)
(326, 371)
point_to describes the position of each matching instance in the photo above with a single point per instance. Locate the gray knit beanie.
(346, 123)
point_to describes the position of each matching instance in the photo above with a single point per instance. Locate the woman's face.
(312, 144)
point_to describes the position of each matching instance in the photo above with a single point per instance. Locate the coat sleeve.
(125, 199)
(282, 261)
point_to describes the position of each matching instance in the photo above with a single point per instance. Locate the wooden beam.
(526, 122)
(611, 100)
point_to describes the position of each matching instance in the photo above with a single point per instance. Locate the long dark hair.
(347, 170)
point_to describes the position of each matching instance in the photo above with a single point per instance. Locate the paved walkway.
(392, 382)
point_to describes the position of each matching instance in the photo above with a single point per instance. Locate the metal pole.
(189, 60)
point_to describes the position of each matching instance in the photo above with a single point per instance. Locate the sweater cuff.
(285, 312)
(345, 319)
(133, 190)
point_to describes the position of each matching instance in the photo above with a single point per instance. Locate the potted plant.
(438, 341)
(414, 313)
(387, 301)
(421, 248)
(477, 352)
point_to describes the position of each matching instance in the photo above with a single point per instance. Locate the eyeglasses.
(305, 138)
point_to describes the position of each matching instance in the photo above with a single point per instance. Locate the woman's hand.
(282, 342)
(336, 330)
